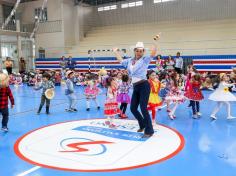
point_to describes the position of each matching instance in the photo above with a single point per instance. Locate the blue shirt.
(139, 68)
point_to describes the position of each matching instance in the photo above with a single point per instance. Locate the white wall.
(68, 11)
(52, 42)
(189, 10)
(54, 10)
(186, 25)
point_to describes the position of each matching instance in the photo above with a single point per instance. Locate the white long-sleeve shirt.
(179, 62)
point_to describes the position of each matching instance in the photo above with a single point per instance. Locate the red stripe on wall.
(215, 62)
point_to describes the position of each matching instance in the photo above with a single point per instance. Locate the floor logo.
(89, 146)
(82, 146)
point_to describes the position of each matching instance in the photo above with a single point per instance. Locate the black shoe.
(98, 107)
(88, 109)
(140, 130)
(73, 109)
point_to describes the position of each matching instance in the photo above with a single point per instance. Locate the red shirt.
(4, 94)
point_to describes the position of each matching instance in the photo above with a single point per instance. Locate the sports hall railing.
(44, 27)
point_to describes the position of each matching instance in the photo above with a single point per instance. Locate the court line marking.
(29, 171)
(38, 167)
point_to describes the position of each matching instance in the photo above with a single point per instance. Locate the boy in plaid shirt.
(46, 84)
(5, 92)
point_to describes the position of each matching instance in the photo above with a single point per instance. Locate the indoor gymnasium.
(118, 87)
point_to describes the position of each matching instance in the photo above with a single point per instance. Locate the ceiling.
(96, 2)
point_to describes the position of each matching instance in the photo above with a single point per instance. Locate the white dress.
(222, 93)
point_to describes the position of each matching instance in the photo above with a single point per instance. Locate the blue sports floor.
(210, 146)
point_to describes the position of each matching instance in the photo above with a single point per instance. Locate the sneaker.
(98, 107)
(195, 116)
(199, 114)
(213, 117)
(74, 110)
(5, 129)
(172, 117)
(168, 110)
(88, 109)
(230, 117)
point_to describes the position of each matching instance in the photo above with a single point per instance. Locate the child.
(159, 64)
(165, 88)
(46, 84)
(174, 95)
(154, 99)
(5, 92)
(12, 79)
(123, 95)
(222, 96)
(18, 80)
(69, 92)
(57, 78)
(191, 71)
(181, 84)
(111, 105)
(91, 92)
(194, 94)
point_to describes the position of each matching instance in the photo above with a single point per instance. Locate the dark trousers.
(178, 70)
(123, 107)
(43, 99)
(140, 98)
(9, 70)
(195, 106)
(5, 116)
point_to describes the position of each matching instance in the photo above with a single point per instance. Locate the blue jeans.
(195, 106)
(5, 116)
(140, 98)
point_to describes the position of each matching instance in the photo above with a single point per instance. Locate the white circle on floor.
(91, 146)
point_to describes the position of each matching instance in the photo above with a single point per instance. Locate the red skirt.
(111, 109)
(194, 95)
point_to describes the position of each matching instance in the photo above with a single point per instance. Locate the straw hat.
(68, 73)
(50, 93)
(139, 45)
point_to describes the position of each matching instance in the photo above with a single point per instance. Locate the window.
(160, 1)
(42, 53)
(44, 15)
(132, 4)
(106, 8)
(5, 52)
